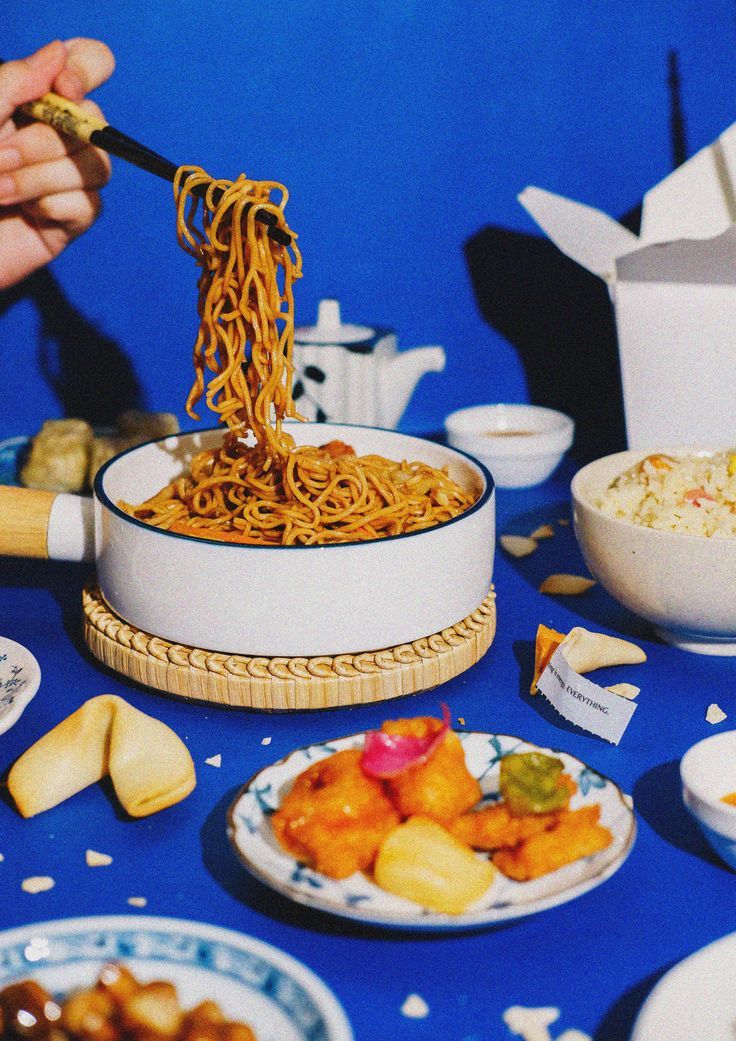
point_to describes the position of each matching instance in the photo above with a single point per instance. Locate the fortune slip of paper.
(583, 702)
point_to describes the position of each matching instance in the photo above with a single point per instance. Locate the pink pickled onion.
(388, 755)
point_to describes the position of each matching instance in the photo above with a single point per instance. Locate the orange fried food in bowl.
(576, 834)
(335, 817)
(442, 787)
(118, 1007)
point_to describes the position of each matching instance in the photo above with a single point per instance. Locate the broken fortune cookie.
(148, 764)
(584, 651)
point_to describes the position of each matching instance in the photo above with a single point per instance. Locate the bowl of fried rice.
(658, 531)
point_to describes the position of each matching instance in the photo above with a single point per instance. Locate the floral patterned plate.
(20, 676)
(358, 897)
(253, 982)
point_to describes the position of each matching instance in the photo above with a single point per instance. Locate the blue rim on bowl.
(244, 975)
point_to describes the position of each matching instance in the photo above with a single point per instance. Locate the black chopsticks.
(72, 120)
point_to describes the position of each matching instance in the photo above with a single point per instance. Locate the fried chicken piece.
(441, 788)
(335, 817)
(576, 834)
(494, 827)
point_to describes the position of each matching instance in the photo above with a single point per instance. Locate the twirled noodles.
(258, 487)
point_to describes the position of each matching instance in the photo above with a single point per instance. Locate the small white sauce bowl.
(708, 772)
(520, 444)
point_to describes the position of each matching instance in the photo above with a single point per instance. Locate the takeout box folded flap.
(583, 233)
(696, 203)
(698, 199)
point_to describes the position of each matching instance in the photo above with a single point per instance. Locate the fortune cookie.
(585, 651)
(149, 766)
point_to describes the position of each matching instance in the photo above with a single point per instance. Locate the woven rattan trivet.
(279, 684)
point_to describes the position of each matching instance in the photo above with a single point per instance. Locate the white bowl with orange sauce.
(521, 445)
(708, 775)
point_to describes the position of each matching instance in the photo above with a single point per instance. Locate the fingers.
(29, 78)
(89, 63)
(71, 69)
(75, 211)
(88, 168)
(38, 143)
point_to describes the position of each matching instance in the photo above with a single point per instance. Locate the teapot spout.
(401, 375)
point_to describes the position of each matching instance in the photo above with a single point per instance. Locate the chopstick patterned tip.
(70, 119)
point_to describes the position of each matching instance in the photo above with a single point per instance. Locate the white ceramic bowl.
(520, 444)
(684, 584)
(708, 772)
(288, 601)
(251, 981)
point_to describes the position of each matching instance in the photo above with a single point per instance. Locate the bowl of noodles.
(271, 536)
(331, 597)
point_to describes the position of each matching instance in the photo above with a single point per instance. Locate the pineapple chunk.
(421, 861)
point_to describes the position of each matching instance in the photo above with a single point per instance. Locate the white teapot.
(355, 374)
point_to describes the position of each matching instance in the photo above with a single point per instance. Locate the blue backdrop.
(404, 131)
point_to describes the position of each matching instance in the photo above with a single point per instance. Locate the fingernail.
(10, 159)
(8, 191)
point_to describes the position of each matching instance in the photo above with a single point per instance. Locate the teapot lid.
(330, 329)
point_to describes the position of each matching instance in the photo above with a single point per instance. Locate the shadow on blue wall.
(88, 372)
(559, 318)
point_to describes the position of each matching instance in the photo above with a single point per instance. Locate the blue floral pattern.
(253, 966)
(358, 897)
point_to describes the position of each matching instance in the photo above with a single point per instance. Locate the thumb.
(29, 78)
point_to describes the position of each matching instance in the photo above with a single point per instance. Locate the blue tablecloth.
(596, 958)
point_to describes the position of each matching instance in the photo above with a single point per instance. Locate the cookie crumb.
(625, 690)
(530, 1024)
(137, 901)
(715, 714)
(37, 884)
(518, 545)
(266, 740)
(461, 720)
(566, 585)
(95, 859)
(415, 1007)
(544, 531)
(214, 760)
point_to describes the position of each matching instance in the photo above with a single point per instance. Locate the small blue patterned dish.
(20, 676)
(360, 898)
(252, 982)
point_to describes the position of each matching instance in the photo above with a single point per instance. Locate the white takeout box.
(673, 290)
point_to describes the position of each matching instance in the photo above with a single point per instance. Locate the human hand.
(48, 182)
